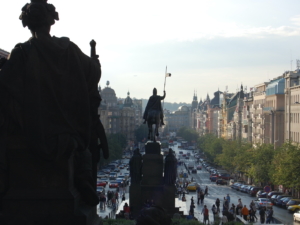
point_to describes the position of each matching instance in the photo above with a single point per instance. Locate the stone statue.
(170, 171)
(135, 164)
(154, 114)
(154, 103)
(49, 101)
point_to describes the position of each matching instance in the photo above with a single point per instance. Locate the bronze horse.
(153, 118)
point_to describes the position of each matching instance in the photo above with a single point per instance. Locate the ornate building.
(120, 115)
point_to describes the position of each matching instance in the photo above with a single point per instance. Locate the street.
(220, 191)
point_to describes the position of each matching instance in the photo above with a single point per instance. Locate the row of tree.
(262, 163)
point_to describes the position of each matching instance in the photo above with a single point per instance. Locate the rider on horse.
(154, 103)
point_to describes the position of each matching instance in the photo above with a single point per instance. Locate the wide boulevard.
(219, 191)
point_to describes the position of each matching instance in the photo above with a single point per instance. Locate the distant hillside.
(167, 105)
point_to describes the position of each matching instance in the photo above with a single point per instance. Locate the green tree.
(141, 133)
(188, 134)
(260, 159)
(286, 166)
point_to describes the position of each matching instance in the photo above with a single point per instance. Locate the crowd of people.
(110, 199)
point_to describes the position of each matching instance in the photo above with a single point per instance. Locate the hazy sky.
(205, 44)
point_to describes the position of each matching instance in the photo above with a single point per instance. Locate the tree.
(260, 159)
(286, 166)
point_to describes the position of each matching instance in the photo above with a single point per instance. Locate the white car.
(297, 216)
(260, 202)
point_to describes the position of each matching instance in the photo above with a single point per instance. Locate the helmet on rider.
(154, 91)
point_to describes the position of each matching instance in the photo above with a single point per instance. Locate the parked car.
(293, 208)
(270, 194)
(278, 198)
(284, 201)
(101, 183)
(292, 202)
(221, 182)
(199, 167)
(213, 178)
(296, 216)
(262, 195)
(254, 190)
(113, 184)
(260, 202)
(112, 176)
(180, 152)
(192, 186)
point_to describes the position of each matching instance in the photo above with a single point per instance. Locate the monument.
(157, 184)
(49, 127)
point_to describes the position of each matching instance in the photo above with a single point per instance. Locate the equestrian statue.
(153, 114)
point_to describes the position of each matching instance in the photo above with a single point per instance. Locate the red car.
(101, 183)
(113, 184)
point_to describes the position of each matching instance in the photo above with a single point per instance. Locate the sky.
(206, 44)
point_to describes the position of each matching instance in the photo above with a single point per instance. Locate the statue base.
(152, 147)
(42, 192)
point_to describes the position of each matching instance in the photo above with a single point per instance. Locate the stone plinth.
(42, 192)
(152, 147)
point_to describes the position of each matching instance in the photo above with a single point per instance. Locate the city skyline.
(206, 45)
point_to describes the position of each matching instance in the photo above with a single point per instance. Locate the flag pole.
(164, 87)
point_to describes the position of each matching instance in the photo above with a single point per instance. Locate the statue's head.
(170, 151)
(154, 91)
(38, 14)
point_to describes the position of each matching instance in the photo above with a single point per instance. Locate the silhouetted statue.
(170, 172)
(49, 101)
(154, 113)
(135, 164)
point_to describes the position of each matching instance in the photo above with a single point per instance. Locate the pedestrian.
(214, 211)
(117, 197)
(262, 215)
(224, 219)
(225, 205)
(270, 215)
(198, 197)
(218, 204)
(228, 199)
(245, 212)
(253, 211)
(239, 207)
(123, 197)
(205, 213)
(206, 191)
(192, 206)
(201, 197)
(126, 210)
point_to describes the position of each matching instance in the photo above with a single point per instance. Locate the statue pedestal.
(42, 192)
(152, 186)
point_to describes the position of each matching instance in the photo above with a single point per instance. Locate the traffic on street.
(216, 190)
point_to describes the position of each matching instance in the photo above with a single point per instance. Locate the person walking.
(270, 215)
(245, 212)
(206, 191)
(262, 215)
(201, 197)
(214, 211)
(198, 198)
(228, 199)
(239, 207)
(205, 213)
(218, 204)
